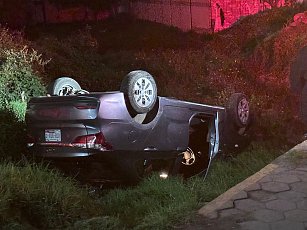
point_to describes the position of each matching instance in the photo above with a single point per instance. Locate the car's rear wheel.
(63, 86)
(141, 90)
(238, 118)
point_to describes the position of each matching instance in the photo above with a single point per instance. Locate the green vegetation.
(34, 197)
(200, 68)
(19, 70)
(297, 157)
(158, 204)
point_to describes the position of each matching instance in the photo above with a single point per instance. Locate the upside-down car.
(123, 135)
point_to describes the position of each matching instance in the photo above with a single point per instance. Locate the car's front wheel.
(238, 110)
(235, 127)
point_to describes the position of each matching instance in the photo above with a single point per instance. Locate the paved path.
(273, 198)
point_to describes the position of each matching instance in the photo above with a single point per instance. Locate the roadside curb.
(222, 201)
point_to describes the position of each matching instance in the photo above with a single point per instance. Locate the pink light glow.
(199, 15)
(234, 9)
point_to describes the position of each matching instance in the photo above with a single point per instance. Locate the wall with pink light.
(199, 15)
(235, 9)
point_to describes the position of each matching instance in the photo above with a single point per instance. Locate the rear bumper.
(41, 152)
(93, 166)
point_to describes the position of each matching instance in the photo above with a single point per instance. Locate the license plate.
(53, 135)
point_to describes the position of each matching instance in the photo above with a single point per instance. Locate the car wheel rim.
(143, 92)
(66, 90)
(188, 157)
(243, 111)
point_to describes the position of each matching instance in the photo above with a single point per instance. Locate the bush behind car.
(19, 70)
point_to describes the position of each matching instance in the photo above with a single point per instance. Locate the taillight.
(92, 141)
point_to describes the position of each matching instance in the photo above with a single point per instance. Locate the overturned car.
(123, 135)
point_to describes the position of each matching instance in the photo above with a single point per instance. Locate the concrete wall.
(184, 14)
(44, 12)
(199, 15)
(235, 9)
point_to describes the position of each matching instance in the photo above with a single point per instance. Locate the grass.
(297, 157)
(160, 204)
(34, 196)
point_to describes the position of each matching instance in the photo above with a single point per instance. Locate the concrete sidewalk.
(273, 198)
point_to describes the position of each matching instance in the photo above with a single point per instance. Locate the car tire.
(304, 105)
(141, 100)
(298, 71)
(238, 110)
(63, 86)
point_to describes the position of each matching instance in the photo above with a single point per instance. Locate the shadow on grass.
(12, 136)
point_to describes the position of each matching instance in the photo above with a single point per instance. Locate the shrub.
(19, 70)
(18, 109)
(11, 40)
(18, 81)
